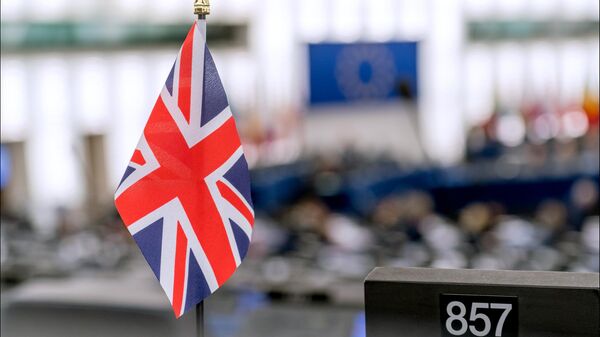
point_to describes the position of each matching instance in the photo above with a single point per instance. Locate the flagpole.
(200, 319)
(201, 9)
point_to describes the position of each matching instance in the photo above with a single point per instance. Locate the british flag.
(185, 195)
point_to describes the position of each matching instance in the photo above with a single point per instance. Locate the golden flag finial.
(201, 7)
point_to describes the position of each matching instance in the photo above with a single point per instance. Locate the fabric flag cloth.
(185, 195)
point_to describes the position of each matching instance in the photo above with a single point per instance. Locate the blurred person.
(418, 207)
(269, 238)
(347, 234)
(551, 225)
(387, 225)
(309, 215)
(515, 237)
(306, 222)
(589, 258)
(583, 201)
(551, 220)
(475, 219)
(347, 251)
(388, 213)
(446, 242)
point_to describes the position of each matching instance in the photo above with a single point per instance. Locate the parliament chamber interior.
(388, 142)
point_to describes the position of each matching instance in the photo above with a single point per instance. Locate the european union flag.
(342, 72)
(5, 166)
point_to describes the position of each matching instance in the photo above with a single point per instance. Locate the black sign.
(479, 316)
(419, 302)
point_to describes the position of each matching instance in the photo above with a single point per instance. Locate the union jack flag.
(185, 195)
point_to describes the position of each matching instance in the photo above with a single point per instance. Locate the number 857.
(475, 316)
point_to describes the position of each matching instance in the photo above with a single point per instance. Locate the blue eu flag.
(5, 166)
(342, 72)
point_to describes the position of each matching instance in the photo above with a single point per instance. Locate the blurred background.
(447, 134)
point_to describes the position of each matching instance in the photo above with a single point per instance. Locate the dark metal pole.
(200, 306)
(200, 319)
(202, 9)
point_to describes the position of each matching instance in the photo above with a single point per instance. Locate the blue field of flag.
(349, 72)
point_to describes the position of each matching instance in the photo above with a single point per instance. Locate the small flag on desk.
(185, 195)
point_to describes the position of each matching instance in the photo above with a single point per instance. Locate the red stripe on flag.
(185, 75)
(209, 230)
(230, 196)
(138, 158)
(179, 279)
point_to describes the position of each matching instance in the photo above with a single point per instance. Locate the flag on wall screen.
(342, 73)
(185, 195)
